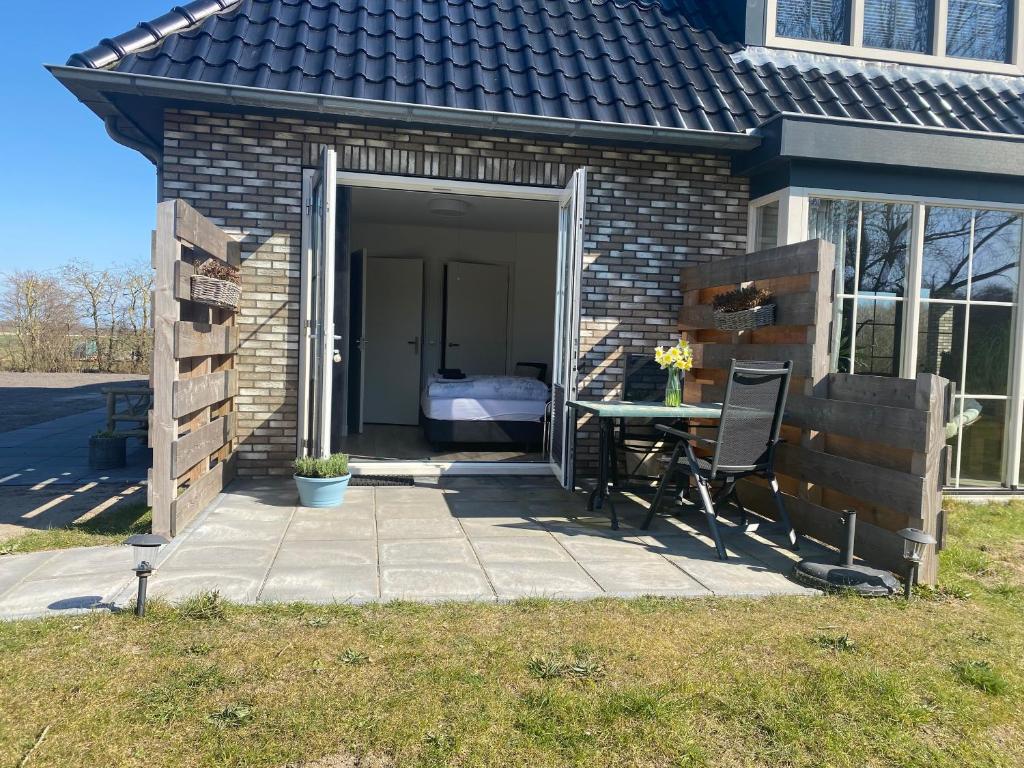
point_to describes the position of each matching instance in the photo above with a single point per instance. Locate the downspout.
(147, 150)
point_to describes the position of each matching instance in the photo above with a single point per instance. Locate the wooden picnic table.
(607, 412)
(137, 401)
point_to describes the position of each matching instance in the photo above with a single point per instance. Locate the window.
(977, 35)
(978, 29)
(873, 239)
(766, 226)
(899, 25)
(825, 20)
(959, 322)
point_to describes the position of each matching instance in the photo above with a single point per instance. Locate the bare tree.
(137, 285)
(41, 321)
(98, 295)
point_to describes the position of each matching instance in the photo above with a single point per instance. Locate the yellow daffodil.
(679, 356)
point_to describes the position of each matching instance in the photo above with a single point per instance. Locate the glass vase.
(674, 388)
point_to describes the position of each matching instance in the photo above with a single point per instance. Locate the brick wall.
(648, 212)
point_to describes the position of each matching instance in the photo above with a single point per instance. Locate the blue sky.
(67, 190)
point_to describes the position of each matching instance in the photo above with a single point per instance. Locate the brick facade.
(648, 212)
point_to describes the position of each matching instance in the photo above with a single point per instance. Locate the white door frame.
(567, 348)
(316, 344)
(478, 189)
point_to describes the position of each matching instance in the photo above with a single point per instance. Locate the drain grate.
(381, 480)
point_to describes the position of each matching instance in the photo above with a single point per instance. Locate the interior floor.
(393, 442)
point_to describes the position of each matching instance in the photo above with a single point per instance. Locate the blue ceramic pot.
(322, 491)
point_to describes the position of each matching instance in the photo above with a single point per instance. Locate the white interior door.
(392, 346)
(476, 317)
(316, 350)
(567, 328)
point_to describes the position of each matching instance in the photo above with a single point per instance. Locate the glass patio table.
(606, 412)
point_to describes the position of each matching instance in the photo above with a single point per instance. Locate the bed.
(484, 409)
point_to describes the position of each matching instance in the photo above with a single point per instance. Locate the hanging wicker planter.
(745, 319)
(216, 284)
(743, 309)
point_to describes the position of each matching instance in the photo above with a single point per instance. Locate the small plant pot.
(107, 452)
(322, 491)
(745, 320)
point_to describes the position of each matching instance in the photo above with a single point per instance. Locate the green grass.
(110, 527)
(788, 682)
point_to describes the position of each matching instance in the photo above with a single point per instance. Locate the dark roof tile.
(659, 63)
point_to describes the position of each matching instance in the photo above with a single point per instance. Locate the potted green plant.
(322, 481)
(107, 450)
(743, 309)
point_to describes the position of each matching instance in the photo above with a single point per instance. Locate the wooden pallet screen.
(871, 443)
(193, 420)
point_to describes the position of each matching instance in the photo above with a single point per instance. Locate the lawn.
(834, 681)
(112, 526)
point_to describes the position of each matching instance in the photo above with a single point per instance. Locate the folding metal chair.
(744, 446)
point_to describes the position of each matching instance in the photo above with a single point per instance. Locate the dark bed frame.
(441, 433)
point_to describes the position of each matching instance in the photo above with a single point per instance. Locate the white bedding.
(481, 409)
(488, 388)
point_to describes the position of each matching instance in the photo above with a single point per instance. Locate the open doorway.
(441, 322)
(452, 303)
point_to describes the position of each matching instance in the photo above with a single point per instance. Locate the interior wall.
(532, 257)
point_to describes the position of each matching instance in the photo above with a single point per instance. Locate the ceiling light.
(452, 207)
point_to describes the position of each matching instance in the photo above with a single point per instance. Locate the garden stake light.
(144, 548)
(915, 542)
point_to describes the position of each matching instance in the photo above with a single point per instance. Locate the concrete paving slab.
(395, 494)
(200, 555)
(740, 575)
(434, 583)
(338, 584)
(428, 552)
(237, 531)
(67, 594)
(239, 585)
(644, 577)
(538, 579)
(86, 560)
(234, 510)
(309, 527)
(519, 549)
(588, 549)
(409, 510)
(509, 525)
(14, 568)
(418, 528)
(326, 554)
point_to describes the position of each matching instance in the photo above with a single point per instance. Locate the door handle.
(415, 345)
(453, 344)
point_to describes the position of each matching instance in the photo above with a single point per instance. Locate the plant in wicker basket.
(743, 308)
(217, 284)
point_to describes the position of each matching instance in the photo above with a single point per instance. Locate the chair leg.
(783, 514)
(709, 513)
(666, 478)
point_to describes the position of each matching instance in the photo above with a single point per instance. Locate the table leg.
(606, 450)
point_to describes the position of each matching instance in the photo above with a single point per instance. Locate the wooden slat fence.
(872, 443)
(193, 420)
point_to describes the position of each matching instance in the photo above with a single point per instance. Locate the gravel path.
(32, 398)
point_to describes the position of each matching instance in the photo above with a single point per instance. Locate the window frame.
(937, 57)
(794, 227)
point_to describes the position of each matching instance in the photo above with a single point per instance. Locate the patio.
(456, 539)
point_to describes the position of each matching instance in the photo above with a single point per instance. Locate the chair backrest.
(643, 381)
(537, 371)
(755, 400)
